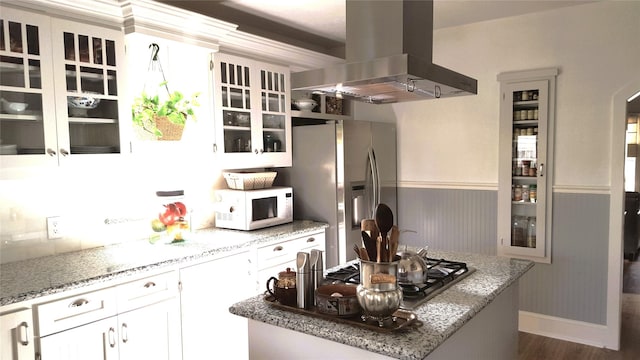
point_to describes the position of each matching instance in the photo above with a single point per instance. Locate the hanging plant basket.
(169, 130)
(157, 118)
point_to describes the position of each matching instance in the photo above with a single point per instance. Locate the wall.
(448, 148)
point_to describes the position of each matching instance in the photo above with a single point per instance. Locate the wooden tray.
(403, 319)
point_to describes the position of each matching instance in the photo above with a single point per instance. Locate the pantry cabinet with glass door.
(252, 113)
(527, 106)
(59, 89)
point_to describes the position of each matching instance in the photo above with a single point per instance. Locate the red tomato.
(181, 208)
(170, 215)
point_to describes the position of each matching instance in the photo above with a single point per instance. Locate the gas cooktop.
(441, 275)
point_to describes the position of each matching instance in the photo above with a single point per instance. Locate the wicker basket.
(170, 131)
(249, 181)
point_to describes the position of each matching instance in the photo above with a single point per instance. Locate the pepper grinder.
(304, 285)
(317, 271)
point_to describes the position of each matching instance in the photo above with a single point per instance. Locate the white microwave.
(254, 209)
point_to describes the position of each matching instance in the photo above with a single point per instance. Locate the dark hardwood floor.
(535, 347)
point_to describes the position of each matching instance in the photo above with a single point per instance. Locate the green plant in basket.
(165, 119)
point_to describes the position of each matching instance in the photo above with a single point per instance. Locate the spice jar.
(525, 193)
(171, 224)
(533, 193)
(517, 193)
(532, 169)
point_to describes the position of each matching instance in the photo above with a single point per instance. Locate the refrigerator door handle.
(373, 174)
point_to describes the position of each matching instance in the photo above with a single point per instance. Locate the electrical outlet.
(54, 227)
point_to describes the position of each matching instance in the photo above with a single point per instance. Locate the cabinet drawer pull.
(23, 340)
(125, 333)
(311, 239)
(112, 337)
(150, 284)
(278, 248)
(78, 303)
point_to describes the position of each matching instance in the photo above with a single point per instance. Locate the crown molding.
(106, 13)
(158, 19)
(298, 59)
(165, 21)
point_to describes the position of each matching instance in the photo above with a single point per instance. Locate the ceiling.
(319, 25)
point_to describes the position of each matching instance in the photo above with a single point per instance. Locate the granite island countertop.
(441, 316)
(34, 278)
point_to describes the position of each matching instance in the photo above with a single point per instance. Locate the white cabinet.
(275, 258)
(209, 330)
(59, 84)
(16, 335)
(136, 320)
(527, 111)
(252, 113)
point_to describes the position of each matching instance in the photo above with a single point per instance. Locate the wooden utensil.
(369, 245)
(379, 249)
(363, 254)
(370, 226)
(384, 222)
(394, 239)
(356, 248)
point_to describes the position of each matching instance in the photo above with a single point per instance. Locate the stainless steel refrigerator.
(341, 170)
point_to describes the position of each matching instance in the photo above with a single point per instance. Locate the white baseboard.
(564, 329)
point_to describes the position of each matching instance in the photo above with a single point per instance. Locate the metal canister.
(317, 270)
(304, 284)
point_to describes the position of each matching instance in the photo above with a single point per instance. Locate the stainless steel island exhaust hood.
(388, 57)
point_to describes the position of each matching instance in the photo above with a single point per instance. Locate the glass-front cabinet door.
(58, 89)
(235, 99)
(27, 120)
(525, 178)
(253, 120)
(86, 60)
(273, 110)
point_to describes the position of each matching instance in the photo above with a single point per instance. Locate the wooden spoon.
(384, 221)
(393, 242)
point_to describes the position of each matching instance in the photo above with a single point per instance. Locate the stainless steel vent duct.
(388, 57)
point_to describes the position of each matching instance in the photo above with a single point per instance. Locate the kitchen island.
(475, 318)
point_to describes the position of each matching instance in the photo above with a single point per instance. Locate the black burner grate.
(441, 274)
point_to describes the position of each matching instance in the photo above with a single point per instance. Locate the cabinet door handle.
(64, 152)
(79, 303)
(112, 337)
(311, 239)
(51, 152)
(125, 333)
(150, 284)
(23, 340)
(541, 170)
(278, 248)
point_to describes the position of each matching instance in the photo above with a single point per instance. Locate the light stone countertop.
(441, 316)
(34, 278)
